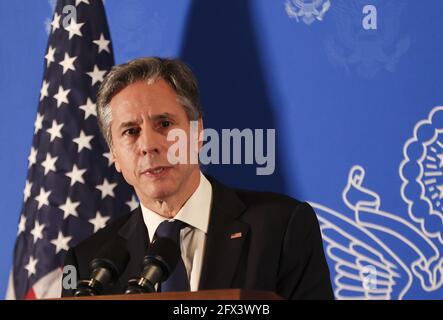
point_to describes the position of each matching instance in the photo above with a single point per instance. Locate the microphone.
(160, 260)
(105, 269)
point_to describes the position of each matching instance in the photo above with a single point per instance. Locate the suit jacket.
(280, 248)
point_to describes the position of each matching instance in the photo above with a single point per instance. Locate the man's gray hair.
(173, 71)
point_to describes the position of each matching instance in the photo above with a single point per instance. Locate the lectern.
(228, 294)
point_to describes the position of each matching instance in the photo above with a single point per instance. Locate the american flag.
(72, 189)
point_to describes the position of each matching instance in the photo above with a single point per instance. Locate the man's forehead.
(141, 95)
(147, 90)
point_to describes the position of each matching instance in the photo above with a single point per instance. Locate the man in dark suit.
(228, 238)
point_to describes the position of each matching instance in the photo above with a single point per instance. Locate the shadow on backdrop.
(219, 45)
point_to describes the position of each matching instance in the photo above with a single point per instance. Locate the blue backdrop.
(352, 94)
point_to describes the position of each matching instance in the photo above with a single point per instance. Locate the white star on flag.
(108, 156)
(107, 189)
(74, 29)
(98, 222)
(69, 208)
(61, 96)
(43, 198)
(38, 123)
(55, 22)
(83, 141)
(67, 63)
(133, 203)
(103, 44)
(44, 90)
(37, 232)
(27, 191)
(77, 2)
(50, 56)
(61, 243)
(21, 225)
(49, 163)
(31, 266)
(76, 175)
(32, 157)
(96, 74)
(55, 130)
(89, 108)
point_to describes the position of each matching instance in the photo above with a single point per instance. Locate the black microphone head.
(113, 256)
(163, 252)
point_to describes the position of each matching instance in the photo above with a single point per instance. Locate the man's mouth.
(156, 171)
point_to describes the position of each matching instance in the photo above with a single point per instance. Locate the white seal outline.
(417, 180)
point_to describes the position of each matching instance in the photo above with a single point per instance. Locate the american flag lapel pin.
(236, 235)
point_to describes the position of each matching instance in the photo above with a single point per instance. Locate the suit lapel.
(136, 235)
(225, 239)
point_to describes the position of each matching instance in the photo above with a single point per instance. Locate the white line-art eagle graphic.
(307, 10)
(374, 254)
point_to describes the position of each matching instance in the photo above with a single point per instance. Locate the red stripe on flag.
(30, 295)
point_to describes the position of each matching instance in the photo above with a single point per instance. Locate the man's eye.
(165, 123)
(131, 131)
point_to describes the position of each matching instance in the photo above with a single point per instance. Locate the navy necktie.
(178, 279)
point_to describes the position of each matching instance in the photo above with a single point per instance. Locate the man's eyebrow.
(133, 123)
(161, 116)
(130, 123)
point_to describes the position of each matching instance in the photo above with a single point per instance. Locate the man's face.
(142, 116)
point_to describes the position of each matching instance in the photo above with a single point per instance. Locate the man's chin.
(161, 192)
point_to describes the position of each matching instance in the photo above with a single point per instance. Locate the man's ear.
(200, 133)
(116, 163)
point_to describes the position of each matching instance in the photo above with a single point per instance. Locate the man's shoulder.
(258, 200)
(275, 211)
(272, 205)
(267, 198)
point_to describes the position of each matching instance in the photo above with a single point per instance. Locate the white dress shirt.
(195, 212)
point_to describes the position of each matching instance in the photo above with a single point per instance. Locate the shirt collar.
(195, 212)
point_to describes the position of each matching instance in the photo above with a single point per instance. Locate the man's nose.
(149, 141)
